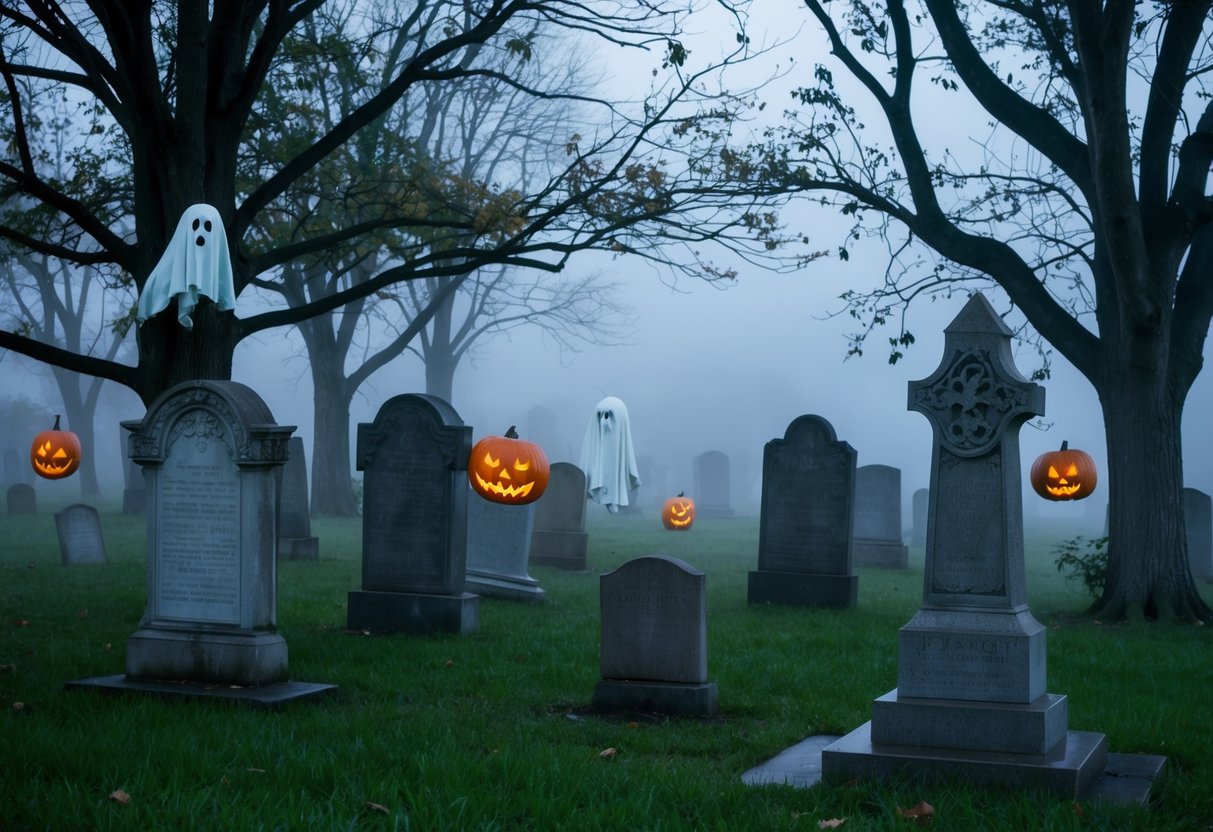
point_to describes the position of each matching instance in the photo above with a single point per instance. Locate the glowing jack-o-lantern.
(678, 513)
(506, 469)
(55, 453)
(1064, 475)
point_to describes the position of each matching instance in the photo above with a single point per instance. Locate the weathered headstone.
(804, 530)
(918, 506)
(1198, 521)
(79, 530)
(713, 494)
(499, 546)
(971, 698)
(12, 467)
(209, 450)
(414, 520)
(877, 530)
(134, 491)
(654, 653)
(295, 540)
(22, 499)
(558, 536)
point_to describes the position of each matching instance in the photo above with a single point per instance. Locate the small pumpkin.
(1066, 474)
(55, 453)
(678, 513)
(506, 469)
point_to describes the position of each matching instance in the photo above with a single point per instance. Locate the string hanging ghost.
(607, 456)
(196, 262)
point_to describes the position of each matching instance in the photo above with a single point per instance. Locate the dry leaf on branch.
(922, 814)
(832, 823)
(377, 807)
(608, 752)
(119, 796)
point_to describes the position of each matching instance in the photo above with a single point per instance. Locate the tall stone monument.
(209, 450)
(295, 539)
(971, 699)
(558, 536)
(414, 520)
(804, 530)
(877, 530)
(713, 494)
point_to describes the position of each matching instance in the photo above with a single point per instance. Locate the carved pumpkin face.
(1064, 475)
(678, 513)
(55, 453)
(506, 469)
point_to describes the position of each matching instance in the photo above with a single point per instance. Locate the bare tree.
(1091, 213)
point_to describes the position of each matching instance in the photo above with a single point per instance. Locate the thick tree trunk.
(80, 422)
(1148, 570)
(170, 354)
(332, 486)
(440, 373)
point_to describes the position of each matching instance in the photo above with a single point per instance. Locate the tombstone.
(22, 499)
(79, 530)
(971, 698)
(295, 540)
(558, 537)
(877, 528)
(710, 476)
(134, 491)
(498, 548)
(209, 450)
(918, 505)
(13, 472)
(1198, 521)
(654, 653)
(804, 527)
(414, 520)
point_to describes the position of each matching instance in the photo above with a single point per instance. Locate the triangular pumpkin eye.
(493, 463)
(521, 466)
(1072, 471)
(1053, 472)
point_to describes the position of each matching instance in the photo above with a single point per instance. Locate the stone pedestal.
(413, 612)
(656, 697)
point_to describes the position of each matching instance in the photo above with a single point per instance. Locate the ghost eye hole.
(195, 225)
(207, 225)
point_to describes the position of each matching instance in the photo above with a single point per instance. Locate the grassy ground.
(490, 731)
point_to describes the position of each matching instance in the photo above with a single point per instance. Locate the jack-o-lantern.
(1064, 475)
(678, 513)
(506, 469)
(55, 453)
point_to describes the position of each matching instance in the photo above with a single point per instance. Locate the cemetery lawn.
(492, 731)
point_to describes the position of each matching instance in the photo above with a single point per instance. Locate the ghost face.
(202, 227)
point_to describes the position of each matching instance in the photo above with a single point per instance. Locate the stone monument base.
(268, 696)
(1007, 727)
(223, 657)
(509, 587)
(412, 612)
(298, 548)
(800, 589)
(660, 697)
(564, 550)
(886, 554)
(1069, 769)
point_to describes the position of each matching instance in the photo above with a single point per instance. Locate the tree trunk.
(79, 421)
(439, 354)
(1148, 570)
(332, 486)
(170, 354)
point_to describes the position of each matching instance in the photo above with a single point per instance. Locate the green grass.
(490, 731)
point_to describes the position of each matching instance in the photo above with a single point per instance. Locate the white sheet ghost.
(607, 456)
(195, 263)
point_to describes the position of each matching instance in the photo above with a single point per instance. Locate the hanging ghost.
(607, 456)
(195, 263)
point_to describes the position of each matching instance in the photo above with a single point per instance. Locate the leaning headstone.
(79, 530)
(12, 467)
(22, 499)
(971, 698)
(918, 507)
(499, 546)
(134, 491)
(713, 494)
(877, 528)
(804, 530)
(295, 540)
(209, 450)
(654, 651)
(558, 537)
(414, 520)
(1198, 520)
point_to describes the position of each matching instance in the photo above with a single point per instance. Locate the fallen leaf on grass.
(83, 614)
(377, 807)
(255, 770)
(108, 647)
(832, 823)
(608, 752)
(119, 796)
(450, 662)
(18, 706)
(633, 725)
(21, 622)
(8, 668)
(1078, 809)
(922, 814)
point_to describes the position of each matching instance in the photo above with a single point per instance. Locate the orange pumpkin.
(678, 513)
(55, 453)
(1064, 475)
(506, 469)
